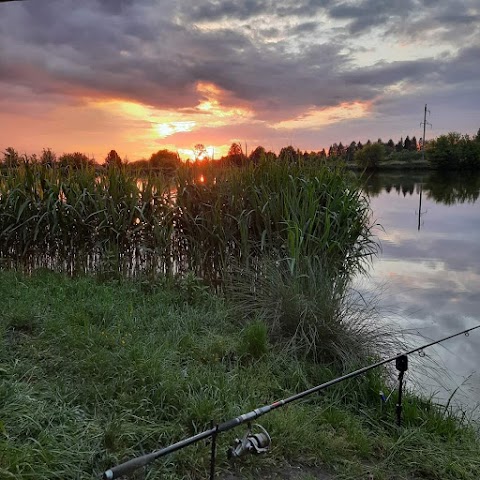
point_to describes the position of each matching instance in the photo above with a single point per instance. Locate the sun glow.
(212, 152)
(314, 118)
(214, 107)
(219, 106)
(166, 129)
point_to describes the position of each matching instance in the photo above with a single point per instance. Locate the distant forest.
(453, 151)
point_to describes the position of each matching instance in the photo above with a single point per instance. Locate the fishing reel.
(255, 443)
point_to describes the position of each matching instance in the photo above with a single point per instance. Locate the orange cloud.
(146, 125)
(314, 118)
(166, 129)
(220, 106)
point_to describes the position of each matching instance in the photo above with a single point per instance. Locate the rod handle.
(126, 468)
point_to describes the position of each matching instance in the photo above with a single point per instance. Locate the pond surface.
(427, 275)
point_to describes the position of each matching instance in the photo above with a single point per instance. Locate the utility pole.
(424, 123)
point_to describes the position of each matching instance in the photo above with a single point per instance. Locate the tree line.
(163, 160)
(451, 151)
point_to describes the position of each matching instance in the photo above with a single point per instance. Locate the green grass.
(94, 373)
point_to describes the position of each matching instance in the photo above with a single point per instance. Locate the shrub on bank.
(370, 156)
(455, 152)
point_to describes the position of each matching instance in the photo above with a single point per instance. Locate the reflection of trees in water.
(408, 188)
(376, 184)
(373, 185)
(448, 189)
(453, 188)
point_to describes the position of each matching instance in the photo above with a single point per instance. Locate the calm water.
(428, 273)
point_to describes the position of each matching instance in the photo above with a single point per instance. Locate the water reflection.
(447, 188)
(429, 268)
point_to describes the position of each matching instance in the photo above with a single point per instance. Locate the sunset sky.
(141, 75)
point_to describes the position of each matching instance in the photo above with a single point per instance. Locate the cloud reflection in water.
(430, 277)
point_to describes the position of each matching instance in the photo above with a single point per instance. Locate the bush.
(454, 151)
(370, 156)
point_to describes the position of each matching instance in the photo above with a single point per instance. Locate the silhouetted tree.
(113, 159)
(407, 144)
(288, 154)
(413, 145)
(350, 153)
(11, 158)
(235, 154)
(271, 156)
(48, 158)
(199, 151)
(399, 145)
(75, 161)
(257, 155)
(165, 160)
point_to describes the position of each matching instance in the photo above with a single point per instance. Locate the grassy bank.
(93, 373)
(409, 162)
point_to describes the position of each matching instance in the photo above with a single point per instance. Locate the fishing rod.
(257, 443)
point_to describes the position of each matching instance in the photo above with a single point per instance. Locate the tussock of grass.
(311, 310)
(92, 374)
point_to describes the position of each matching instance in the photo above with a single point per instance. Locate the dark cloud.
(305, 28)
(233, 10)
(454, 21)
(115, 6)
(274, 55)
(368, 14)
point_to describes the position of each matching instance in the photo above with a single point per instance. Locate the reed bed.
(114, 222)
(279, 211)
(82, 222)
